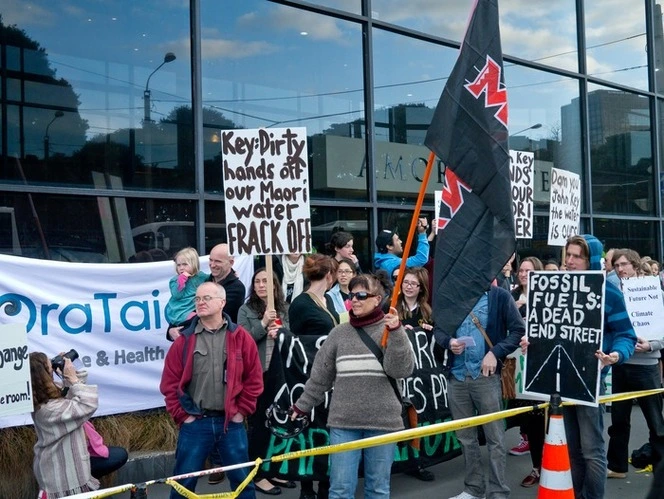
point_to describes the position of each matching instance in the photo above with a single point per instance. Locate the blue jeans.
(627, 378)
(482, 395)
(344, 466)
(584, 427)
(198, 438)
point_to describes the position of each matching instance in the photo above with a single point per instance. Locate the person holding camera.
(62, 462)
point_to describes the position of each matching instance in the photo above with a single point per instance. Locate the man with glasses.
(639, 372)
(211, 381)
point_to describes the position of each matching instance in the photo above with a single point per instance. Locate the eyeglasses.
(411, 284)
(360, 295)
(340, 271)
(206, 298)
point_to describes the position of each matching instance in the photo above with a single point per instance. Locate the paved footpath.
(449, 476)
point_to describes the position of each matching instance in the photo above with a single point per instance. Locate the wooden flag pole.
(409, 240)
(270, 282)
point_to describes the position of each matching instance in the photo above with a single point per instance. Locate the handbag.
(408, 411)
(507, 372)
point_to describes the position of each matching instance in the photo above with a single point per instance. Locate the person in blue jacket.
(584, 425)
(389, 250)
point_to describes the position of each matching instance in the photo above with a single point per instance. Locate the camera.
(58, 362)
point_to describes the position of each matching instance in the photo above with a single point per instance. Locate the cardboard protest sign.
(15, 389)
(565, 207)
(643, 299)
(523, 182)
(266, 186)
(565, 321)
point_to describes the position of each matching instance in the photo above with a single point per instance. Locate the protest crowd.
(318, 348)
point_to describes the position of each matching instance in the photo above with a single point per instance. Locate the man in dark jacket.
(474, 385)
(211, 381)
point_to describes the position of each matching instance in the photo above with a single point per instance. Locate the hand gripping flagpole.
(409, 240)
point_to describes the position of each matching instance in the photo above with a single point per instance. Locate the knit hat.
(384, 238)
(595, 248)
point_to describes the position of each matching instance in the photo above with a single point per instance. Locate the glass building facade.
(111, 113)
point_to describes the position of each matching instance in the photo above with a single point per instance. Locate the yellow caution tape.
(389, 438)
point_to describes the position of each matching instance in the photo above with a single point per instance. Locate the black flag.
(469, 134)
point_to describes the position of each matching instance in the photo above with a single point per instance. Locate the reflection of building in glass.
(621, 156)
(100, 161)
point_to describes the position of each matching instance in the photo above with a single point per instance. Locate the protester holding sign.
(486, 336)
(415, 313)
(62, 463)
(532, 423)
(313, 313)
(263, 324)
(639, 372)
(348, 362)
(583, 423)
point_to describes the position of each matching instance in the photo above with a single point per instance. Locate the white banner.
(15, 389)
(522, 175)
(565, 206)
(111, 314)
(643, 299)
(266, 186)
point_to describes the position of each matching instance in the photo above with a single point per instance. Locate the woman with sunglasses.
(347, 364)
(339, 292)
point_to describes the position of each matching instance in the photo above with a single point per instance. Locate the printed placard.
(15, 389)
(523, 183)
(266, 186)
(565, 320)
(643, 299)
(565, 206)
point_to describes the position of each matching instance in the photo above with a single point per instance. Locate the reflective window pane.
(94, 229)
(617, 51)
(541, 31)
(620, 152)
(545, 119)
(639, 235)
(104, 96)
(264, 66)
(405, 97)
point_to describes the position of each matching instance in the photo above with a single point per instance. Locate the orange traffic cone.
(556, 474)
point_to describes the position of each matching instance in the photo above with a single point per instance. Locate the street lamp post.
(58, 114)
(531, 127)
(169, 57)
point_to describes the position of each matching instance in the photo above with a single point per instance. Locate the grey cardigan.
(248, 318)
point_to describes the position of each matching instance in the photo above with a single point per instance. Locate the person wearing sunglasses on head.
(347, 363)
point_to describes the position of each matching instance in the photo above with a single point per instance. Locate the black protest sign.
(266, 188)
(288, 372)
(564, 322)
(522, 181)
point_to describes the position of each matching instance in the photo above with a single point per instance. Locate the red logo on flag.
(451, 199)
(488, 83)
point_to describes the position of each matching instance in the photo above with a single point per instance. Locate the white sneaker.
(466, 495)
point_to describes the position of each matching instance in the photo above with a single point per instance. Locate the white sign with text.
(15, 389)
(643, 299)
(523, 181)
(266, 186)
(565, 207)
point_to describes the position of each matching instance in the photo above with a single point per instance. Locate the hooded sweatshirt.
(619, 334)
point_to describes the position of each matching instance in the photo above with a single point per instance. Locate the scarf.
(372, 317)
(292, 275)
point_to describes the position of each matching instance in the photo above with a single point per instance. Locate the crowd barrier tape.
(388, 438)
